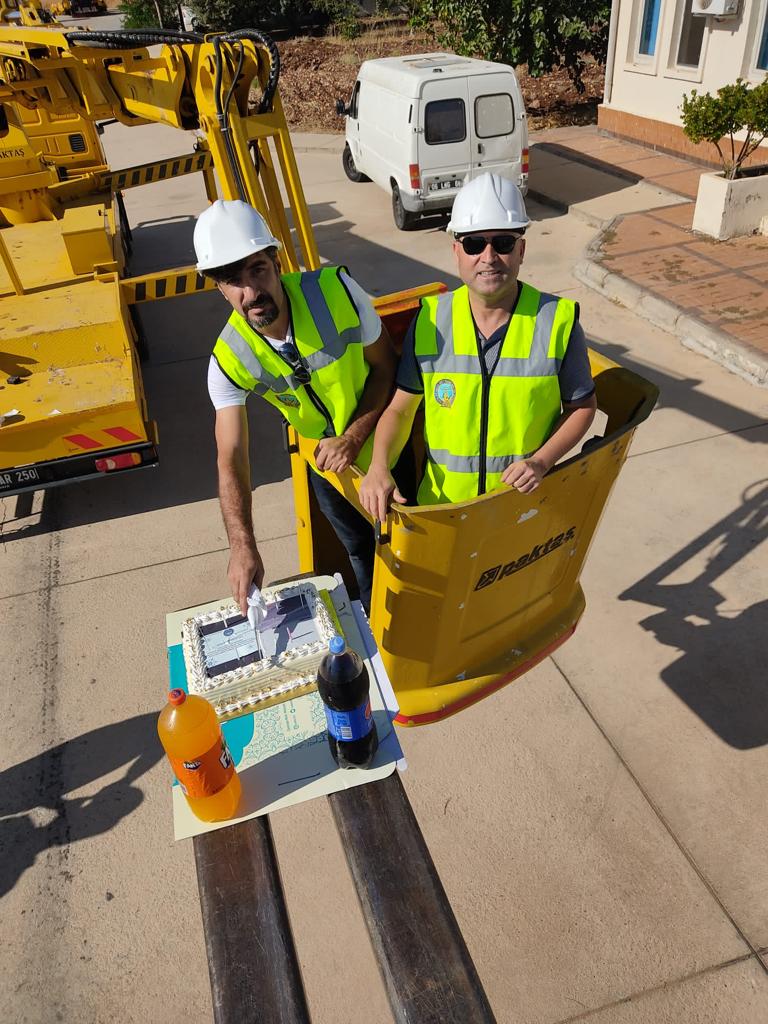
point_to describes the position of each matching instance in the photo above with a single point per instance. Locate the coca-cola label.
(346, 726)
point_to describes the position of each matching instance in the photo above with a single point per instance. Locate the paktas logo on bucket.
(500, 572)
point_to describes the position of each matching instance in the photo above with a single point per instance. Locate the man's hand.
(377, 488)
(245, 567)
(524, 476)
(335, 454)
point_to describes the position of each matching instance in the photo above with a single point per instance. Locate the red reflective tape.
(484, 691)
(83, 441)
(122, 434)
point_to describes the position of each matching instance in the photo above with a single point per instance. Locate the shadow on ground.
(46, 780)
(681, 393)
(720, 673)
(587, 179)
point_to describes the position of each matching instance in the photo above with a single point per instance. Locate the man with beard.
(310, 344)
(502, 368)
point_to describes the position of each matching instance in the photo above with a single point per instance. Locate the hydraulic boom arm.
(223, 86)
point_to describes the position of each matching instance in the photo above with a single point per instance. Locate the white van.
(420, 126)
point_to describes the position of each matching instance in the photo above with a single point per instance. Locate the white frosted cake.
(238, 669)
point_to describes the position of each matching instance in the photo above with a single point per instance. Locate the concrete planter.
(727, 208)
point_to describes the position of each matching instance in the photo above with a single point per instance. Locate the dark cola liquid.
(342, 681)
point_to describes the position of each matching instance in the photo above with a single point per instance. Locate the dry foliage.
(316, 71)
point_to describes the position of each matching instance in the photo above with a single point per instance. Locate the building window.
(691, 39)
(762, 53)
(649, 27)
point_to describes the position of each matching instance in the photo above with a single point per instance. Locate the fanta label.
(205, 775)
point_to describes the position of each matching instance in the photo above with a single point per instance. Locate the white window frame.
(642, 63)
(754, 73)
(683, 72)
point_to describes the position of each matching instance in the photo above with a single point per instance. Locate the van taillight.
(413, 171)
(524, 162)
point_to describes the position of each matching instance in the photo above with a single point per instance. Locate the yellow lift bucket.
(468, 597)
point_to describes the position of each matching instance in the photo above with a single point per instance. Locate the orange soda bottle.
(191, 736)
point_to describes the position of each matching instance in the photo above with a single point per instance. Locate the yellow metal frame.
(468, 597)
(62, 235)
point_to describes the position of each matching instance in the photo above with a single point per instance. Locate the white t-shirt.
(224, 393)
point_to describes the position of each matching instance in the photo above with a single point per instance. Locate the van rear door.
(497, 132)
(443, 133)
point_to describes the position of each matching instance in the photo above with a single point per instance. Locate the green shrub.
(544, 34)
(718, 118)
(143, 14)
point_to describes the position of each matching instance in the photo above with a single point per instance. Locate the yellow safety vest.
(477, 423)
(326, 330)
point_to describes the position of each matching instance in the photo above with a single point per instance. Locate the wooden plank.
(427, 970)
(252, 962)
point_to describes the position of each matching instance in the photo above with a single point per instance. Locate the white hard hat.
(488, 203)
(228, 231)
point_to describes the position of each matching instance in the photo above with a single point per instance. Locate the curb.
(556, 204)
(314, 142)
(735, 355)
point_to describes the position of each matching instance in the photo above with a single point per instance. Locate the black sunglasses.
(291, 355)
(473, 245)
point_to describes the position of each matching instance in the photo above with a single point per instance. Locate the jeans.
(352, 529)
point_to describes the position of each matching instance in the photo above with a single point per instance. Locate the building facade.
(660, 50)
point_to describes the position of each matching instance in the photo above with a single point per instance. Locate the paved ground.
(712, 294)
(599, 825)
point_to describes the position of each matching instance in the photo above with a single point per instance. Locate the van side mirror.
(341, 107)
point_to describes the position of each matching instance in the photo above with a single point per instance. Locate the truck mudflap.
(106, 461)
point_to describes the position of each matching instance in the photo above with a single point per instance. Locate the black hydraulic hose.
(222, 116)
(238, 69)
(123, 39)
(255, 36)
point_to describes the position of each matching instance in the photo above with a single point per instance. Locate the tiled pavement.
(721, 285)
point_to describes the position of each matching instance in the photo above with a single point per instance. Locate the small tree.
(714, 119)
(543, 35)
(144, 13)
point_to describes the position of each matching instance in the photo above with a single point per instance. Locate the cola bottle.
(342, 681)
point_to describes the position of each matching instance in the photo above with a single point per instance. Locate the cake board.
(281, 753)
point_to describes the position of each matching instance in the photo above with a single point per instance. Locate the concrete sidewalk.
(599, 825)
(712, 295)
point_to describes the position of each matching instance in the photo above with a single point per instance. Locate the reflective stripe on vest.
(519, 403)
(326, 331)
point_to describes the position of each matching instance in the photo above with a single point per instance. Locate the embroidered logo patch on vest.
(288, 399)
(445, 392)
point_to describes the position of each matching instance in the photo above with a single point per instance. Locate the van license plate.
(436, 186)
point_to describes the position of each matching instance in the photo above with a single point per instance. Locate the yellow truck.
(466, 597)
(78, 8)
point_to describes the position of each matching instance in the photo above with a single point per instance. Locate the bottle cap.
(337, 645)
(176, 697)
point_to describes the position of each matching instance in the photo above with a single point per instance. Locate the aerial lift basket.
(468, 597)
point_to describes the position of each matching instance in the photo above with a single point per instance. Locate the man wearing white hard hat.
(501, 368)
(310, 344)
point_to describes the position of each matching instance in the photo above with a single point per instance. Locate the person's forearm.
(235, 499)
(376, 393)
(392, 433)
(569, 430)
